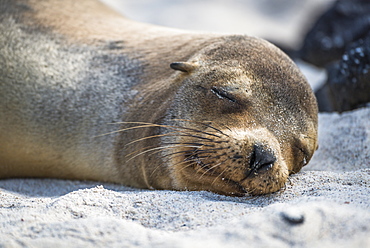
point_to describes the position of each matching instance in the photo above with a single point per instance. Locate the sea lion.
(88, 94)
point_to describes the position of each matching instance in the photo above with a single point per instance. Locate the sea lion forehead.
(227, 75)
(258, 59)
(237, 47)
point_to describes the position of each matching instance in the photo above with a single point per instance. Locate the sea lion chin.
(146, 106)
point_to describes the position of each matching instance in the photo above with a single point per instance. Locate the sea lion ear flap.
(183, 66)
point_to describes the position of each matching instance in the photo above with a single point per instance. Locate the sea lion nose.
(262, 159)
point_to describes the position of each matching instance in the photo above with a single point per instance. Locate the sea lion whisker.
(133, 122)
(192, 152)
(210, 150)
(192, 162)
(155, 169)
(161, 148)
(187, 143)
(185, 167)
(204, 124)
(148, 124)
(196, 158)
(172, 127)
(208, 157)
(188, 159)
(181, 162)
(214, 166)
(200, 137)
(200, 131)
(186, 151)
(207, 170)
(151, 137)
(193, 145)
(178, 135)
(179, 153)
(144, 148)
(126, 129)
(154, 149)
(221, 172)
(130, 128)
(139, 150)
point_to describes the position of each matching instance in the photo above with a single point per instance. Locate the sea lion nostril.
(261, 159)
(237, 156)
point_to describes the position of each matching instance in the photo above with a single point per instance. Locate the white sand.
(326, 205)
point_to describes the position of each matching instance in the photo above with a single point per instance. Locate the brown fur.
(72, 68)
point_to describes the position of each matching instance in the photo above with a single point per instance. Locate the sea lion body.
(88, 94)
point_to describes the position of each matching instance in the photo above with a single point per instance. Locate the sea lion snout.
(229, 161)
(259, 167)
(261, 160)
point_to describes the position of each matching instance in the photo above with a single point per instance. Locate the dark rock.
(344, 22)
(348, 84)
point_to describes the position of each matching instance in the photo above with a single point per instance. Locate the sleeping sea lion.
(88, 94)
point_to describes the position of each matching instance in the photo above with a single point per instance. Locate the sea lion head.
(243, 119)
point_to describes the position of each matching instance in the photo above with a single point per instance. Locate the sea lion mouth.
(259, 161)
(223, 171)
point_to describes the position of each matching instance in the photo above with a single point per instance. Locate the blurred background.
(282, 21)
